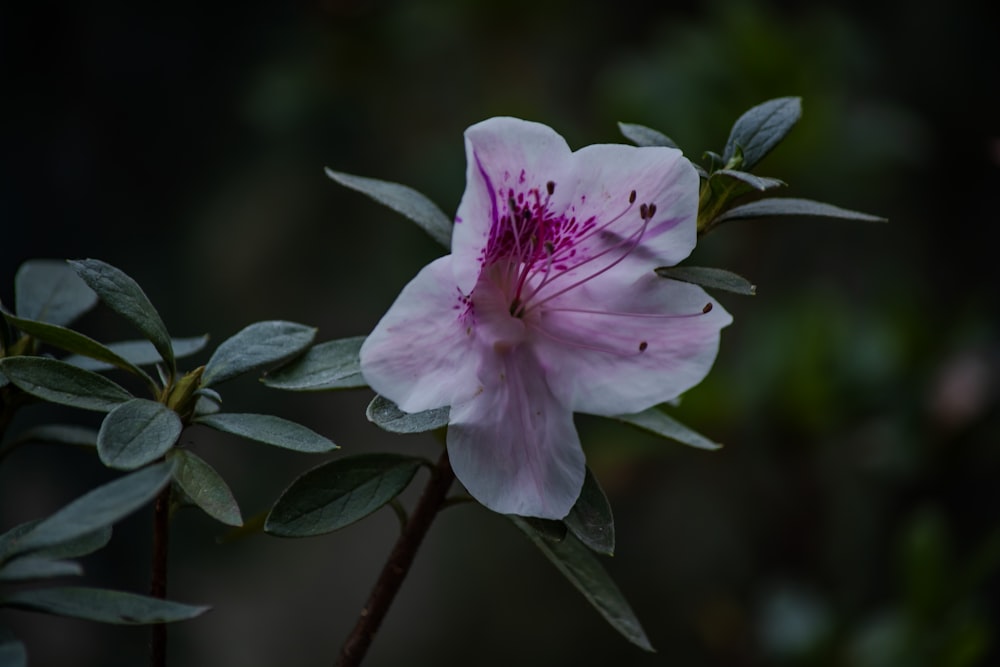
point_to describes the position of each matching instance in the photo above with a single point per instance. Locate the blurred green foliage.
(851, 519)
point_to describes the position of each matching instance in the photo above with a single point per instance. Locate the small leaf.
(100, 507)
(709, 277)
(124, 296)
(59, 434)
(205, 487)
(401, 199)
(136, 433)
(656, 421)
(338, 493)
(59, 382)
(140, 352)
(641, 135)
(50, 291)
(783, 206)
(259, 345)
(548, 529)
(386, 415)
(331, 365)
(28, 568)
(761, 128)
(269, 430)
(590, 520)
(71, 341)
(97, 604)
(12, 652)
(581, 567)
(743, 182)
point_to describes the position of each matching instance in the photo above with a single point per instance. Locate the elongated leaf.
(140, 352)
(585, 572)
(709, 277)
(641, 135)
(656, 421)
(205, 487)
(12, 652)
(136, 433)
(761, 128)
(60, 434)
(97, 604)
(28, 568)
(257, 346)
(124, 296)
(742, 182)
(97, 509)
(269, 430)
(50, 291)
(339, 493)
(71, 341)
(401, 199)
(59, 382)
(590, 520)
(386, 415)
(331, 365)
(784, 206)
(550, 530)
(79, 546)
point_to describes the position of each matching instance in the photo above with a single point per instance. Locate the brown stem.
(158, 580)
(391, 578)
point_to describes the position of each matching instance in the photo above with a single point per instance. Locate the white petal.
(500, 153)
(421, 355)
(657, 344)
(514, 446)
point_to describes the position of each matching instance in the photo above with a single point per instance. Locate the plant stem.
(158, 580)
(396, 568)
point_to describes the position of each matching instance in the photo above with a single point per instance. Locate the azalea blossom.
(548, 305)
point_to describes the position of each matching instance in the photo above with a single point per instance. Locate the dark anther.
(643, 345)
(631, 197)
(644, 212)
(707, 308)
(511, 204)
(652, 210)
(551, 187)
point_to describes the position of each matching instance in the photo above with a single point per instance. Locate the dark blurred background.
(851, 519)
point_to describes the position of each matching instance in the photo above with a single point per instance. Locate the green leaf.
(97, 604)
(585, 572)
(739, 183)
(783, 206)
(548, 529)
(269, 430)
(656, 421)
(97, 509)
(124, 296)
(339, 493)
(709, 277)
(78, 546)
(760, 129)
(28, 568)
(59, 382)
(71, 341)
(641, 135)
(12, 652)
(590, 520)
(136, 433)
(50, 291)
(259, 345)
(205, 487)
(386, 415)
(59, 434)
(331, 365)
(723, 188)
(401, 199)
(140, 352)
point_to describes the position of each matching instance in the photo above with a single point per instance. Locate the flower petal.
(603, 177)
(514, 446)
(420, 354)
(657, 344)
(500, 152)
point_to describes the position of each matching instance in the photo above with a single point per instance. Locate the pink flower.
(548, 305)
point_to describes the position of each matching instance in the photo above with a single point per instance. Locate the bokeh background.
(851, 519)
